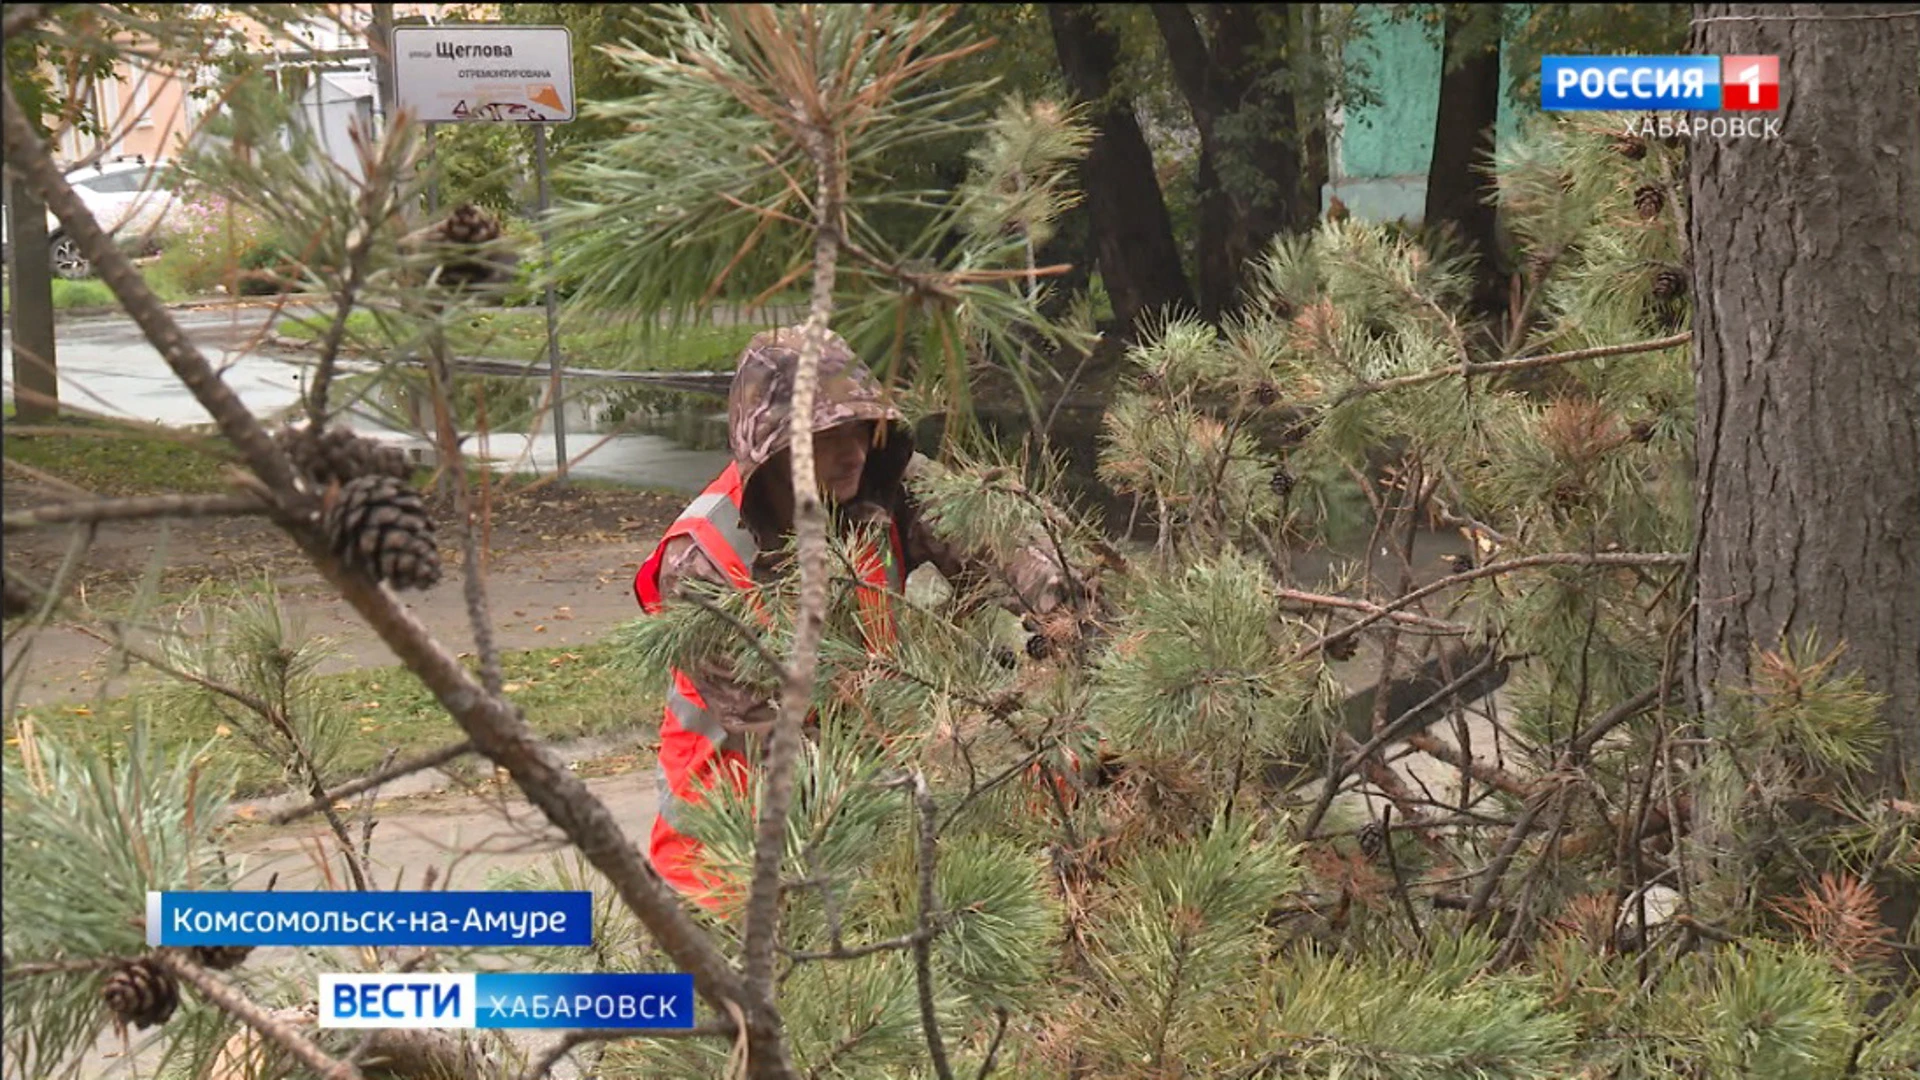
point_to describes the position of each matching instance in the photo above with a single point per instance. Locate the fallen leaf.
(514, 687)
(80, 710)
(222, 730)
(541, 629)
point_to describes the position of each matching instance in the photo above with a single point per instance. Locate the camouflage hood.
(759, 406)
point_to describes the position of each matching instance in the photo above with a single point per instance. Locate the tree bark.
(1458, 186)
(1133, 233)
(36, 380)
(1236, 78)
(1806, 250)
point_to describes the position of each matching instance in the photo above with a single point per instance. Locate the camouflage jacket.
(758, 421)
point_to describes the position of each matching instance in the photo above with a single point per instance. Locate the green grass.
(566, 693)
(93, 293)
(120, 459)
(522, 336)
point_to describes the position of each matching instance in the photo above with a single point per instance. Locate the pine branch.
(1622, 558)
(357, 257)
(473, 580)
(496, 727)
(428, 760)
(1490, 878)
(133, 509)
(61, 967)
(929, 914)
(1424, 622)
(1491, 367)
(796, 692)
(267, 711)
(240, 1007)
(1393, 730)
(993, 1048)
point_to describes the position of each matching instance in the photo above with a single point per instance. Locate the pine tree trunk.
(1458, 186)
(1133, 233)
(1806, 251)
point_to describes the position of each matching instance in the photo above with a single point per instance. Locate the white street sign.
(484, 74)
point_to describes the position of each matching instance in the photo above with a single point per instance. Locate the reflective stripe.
(695, 719)
(669, 803)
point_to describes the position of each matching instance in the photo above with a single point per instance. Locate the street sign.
(454, 74)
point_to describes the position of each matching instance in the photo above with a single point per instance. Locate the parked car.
(131, 198)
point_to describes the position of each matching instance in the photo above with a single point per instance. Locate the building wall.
(1379, 164)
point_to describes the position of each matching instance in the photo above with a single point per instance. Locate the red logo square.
(1750, 83)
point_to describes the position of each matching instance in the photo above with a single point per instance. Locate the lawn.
(120, 458)
(521, 335)
(91, 293)
(569, 692)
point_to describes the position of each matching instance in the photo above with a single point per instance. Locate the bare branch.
(1620, 558)
(796, 691)
(1438, 626)
(929, 915)
(133, 509)
(429, 760)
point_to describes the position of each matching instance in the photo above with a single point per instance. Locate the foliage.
(88, 835)
(690, 207)
(211, 245)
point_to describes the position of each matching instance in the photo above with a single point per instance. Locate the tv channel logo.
(1678, 83)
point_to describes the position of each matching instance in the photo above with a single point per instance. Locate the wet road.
(107, 367)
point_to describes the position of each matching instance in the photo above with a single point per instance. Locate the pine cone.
(1373, 839)
(1039, 647)
(1281, 483)
(1342, 647)
(1004, 657)
(1460, 564)
(338, 454)
(1641, 430)
(1631, 147)
(1152, 382)
(1669, 283)
(471, 227)
(380, 527)
(1649, 200)
(1266, 393)
(141, 993)
(219, 957)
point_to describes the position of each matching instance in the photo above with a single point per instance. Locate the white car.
(129, 198)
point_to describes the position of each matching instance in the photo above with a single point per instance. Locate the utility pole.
(380, 45)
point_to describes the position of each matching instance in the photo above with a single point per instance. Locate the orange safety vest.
(693, 756)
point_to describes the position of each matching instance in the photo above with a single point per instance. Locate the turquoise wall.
(1381, 158)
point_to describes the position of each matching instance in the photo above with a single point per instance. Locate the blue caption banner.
(370, 918)
(495, 1000)
(1611, 83)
